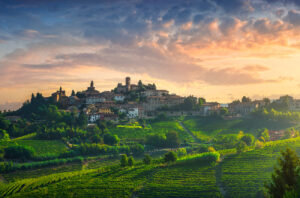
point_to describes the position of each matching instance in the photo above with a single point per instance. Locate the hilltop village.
(136, 101)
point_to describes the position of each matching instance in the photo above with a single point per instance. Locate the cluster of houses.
(111, 105)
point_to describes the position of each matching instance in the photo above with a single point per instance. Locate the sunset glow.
(220, 50)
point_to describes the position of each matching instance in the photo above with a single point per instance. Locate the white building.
(119, 98)
(133, 112)
(94, 100)
(94, 117)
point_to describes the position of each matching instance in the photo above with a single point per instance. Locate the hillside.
(237, 175)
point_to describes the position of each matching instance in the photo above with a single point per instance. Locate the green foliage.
(204, 158)
(224, 111)
(172, 139)
(248, 139)
(181, 152)
(285, 176)
(241, 147)
(111, 139)
(3, 135)
(170, 157)
(130, 161)
(147, 159)
(124, 160)
(19, 152)
(156, 140)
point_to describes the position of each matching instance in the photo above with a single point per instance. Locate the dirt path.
(188, 131)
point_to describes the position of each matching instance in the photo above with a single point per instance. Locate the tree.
(241, 147)
(111, 139)
(130, 161)
(264, 135)
(248, 139)
(147, 159)
(172, 139)
(246, 99)
(124, 160)
(201, 101)
(82, 120)
(223, 111)
(3, 135)
(156, 140)
(170, 157)
(285, 177)
(73, 93)
(19, 152)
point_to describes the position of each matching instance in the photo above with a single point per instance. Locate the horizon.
(206, 48)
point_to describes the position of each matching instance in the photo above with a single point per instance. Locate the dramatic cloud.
(216, 43)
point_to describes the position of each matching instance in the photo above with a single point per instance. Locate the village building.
(119, 97)
(210, 108)
(245, 108)
(58, 95)
(152, 92)
(127, 87)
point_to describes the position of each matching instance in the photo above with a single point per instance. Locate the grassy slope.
(205, 127)
(243, 175)
(158, 128)
(188, 180)
(240, 175)
(41, 147)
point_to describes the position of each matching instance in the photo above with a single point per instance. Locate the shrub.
(170, 157)
(259, 144)
(211, 149)
(124, 160)
(241, 147)
(111, 139)
(3, 135)
(137, 149)
(202, 158)
(130, 161)
(181, 152)
(147, 159)
(19, 152)
(248, 139)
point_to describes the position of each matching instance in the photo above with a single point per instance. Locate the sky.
(217, 49)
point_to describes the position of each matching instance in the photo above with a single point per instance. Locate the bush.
(147, 159)
(248, 139)
(124, 160)
(3, 135)
(241, 147)
(130, 161)
(170, 157)
(203, 158)
(181, 152)
(111, 139)
(19, 152)
(137, 149)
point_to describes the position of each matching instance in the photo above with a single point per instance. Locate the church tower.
(127, 84)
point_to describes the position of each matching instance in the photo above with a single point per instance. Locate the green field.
(243, 175)
(237, 175)
(204, 128)
(41, 147)
(131, 133)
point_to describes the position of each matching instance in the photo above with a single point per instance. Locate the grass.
(41, 147)
(204, 128)
(135, 132)
(175, 180)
